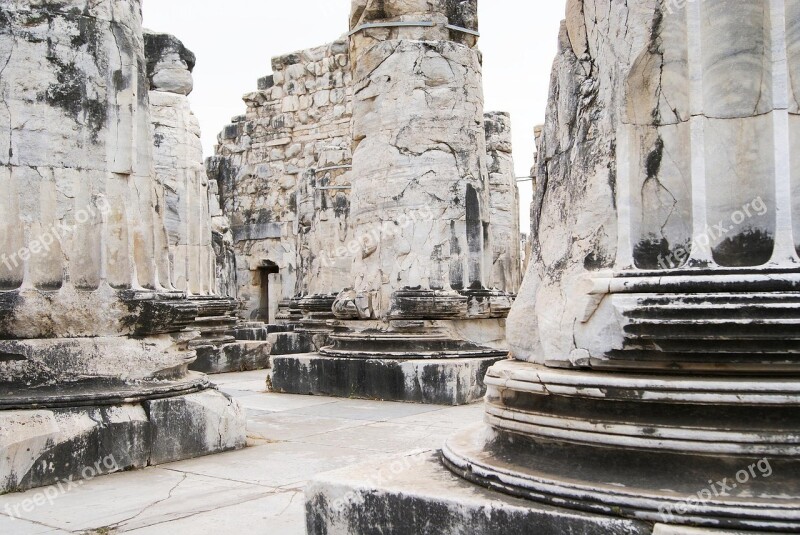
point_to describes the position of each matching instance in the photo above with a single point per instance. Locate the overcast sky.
(234, 41)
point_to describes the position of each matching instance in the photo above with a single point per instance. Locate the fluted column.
(81, 211)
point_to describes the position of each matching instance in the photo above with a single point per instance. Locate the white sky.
(234, 41)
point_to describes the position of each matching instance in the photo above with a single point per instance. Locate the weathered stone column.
(656, 375)
(179, 170)
(93, 353)
(419, 218)
(178, 155)
(420, 198)
(506, 274)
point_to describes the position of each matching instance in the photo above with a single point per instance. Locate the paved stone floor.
(258, 490)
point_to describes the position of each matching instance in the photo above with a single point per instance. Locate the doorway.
(268, 277)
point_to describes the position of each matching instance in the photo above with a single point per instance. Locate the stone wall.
(282, 170)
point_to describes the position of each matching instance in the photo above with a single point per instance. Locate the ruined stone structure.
(95, 268)
(382, 204)
(654, 385)
(283, 174)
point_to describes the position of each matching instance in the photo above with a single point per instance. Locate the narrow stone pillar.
(178, 155)
(506, 274)
(656, 375)
(179, 171)
(93, 347)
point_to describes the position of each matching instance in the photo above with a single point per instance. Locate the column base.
(450, 381)
(720, 492)
(415, 495)
(57, 445)
(242, 356)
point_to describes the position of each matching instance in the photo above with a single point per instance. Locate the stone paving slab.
(136, 499)
(258, 490)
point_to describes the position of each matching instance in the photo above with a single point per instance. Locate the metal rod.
(328, 188)
(461, 29)
(423, 24)
(332, 168)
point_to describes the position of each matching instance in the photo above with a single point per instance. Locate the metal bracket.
(331, 168)
(421, 24)
(462, 29)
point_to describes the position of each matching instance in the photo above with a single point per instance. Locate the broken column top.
(169, 63)
(448, 20)
(498, 131)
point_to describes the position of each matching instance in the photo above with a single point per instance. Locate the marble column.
(180, 172)
(655, 373)
(420, 215)
(506, 274)
(420, 197)
(178, 156)
(89, 313)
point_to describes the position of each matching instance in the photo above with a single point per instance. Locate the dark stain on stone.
(596, 260)
(121, 82)
(11, 357)
(158, 45)
(89, 35)
(9, 301)
(456, 267)
(341, 205)
(70, 94)
(612, 175)
(653, 164)
(474, 235)
(649, 251)
(463, 13)
(753, 247)
(156, 316)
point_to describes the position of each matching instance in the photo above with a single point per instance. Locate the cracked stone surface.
(282, 170)
(258, 489)
(419, 132)
(75, 104)
(666, 146)
(643, 336)
(503, 203)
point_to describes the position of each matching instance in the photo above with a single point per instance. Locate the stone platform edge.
(414, 494)
(51, 446)
(435, 381)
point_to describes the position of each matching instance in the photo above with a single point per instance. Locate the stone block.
(195, 425)
(291, 343)
(414, 494)
(237, 357)
(44, 447)
(438, 382)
